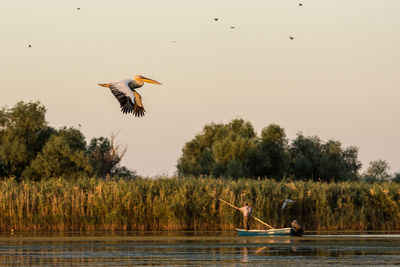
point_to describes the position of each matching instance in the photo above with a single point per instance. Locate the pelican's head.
(139, 79)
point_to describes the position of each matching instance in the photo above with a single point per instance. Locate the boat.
(271, 232)
(294, 230)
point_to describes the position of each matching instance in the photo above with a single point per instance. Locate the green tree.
(221, 150)
(269, 158)
(59, 158)
(124, 172)
(23, 132)
(232, 147)
(338, 163)
(311, 158)
(234, 150)
(305, 154)
(74, 137)
(105, 155)
(31, 149)
(396, 177)
(378, 170)
(352, 165)
(100, 156)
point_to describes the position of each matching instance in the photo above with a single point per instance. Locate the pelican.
(124, 91)
(287, 201)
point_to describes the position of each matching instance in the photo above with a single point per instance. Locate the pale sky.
(338, 79)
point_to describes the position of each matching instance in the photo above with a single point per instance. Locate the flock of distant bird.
(131, 101)
(233, 27)
(216, 19)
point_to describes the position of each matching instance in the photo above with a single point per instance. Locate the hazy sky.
(338, 79)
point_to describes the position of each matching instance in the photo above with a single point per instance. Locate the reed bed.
(192, 204)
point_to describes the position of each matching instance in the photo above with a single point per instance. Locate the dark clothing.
(246, 222)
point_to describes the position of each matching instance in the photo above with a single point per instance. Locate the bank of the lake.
(192, 204)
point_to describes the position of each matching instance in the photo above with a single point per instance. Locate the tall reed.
(192, 204)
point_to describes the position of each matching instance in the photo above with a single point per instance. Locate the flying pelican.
(287, 201)
(124, 91)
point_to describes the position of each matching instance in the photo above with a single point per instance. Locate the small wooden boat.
(271, 232)
(294, 230)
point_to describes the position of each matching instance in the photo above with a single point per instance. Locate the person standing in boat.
(247, 211)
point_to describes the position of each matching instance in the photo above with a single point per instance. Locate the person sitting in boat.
(296, 229)
(295, 224)
(247, 211)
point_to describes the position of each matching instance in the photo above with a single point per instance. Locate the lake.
(198, 248)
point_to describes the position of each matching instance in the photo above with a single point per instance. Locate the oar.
(223, 201)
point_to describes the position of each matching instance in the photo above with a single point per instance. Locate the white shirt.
(246, 211)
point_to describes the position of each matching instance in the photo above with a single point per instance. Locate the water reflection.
(195, 249)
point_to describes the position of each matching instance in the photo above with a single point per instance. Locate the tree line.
(31, 149)
(234, 150)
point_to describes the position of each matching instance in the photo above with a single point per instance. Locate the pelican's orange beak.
(148, 80)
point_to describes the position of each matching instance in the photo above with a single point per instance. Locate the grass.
(192, 204)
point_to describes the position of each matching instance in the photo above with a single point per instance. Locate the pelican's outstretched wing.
(287, 201)
(124, 95)
(138, 109)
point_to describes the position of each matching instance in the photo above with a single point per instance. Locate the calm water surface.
(204, 248)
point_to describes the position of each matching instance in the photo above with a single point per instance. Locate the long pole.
(223, 201)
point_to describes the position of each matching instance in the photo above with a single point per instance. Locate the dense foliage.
(378, 170)
(192, 204)
(44, 192)
(234, 150)
(31, 149)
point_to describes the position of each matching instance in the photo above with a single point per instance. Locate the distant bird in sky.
(291, 37)
(124, 91)
(216, 19)
(287, 201)
(29, 45)
(78, 8)
(300, 4)
(232, 27)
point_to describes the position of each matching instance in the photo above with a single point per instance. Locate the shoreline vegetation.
(326, 184)
(94, 204)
